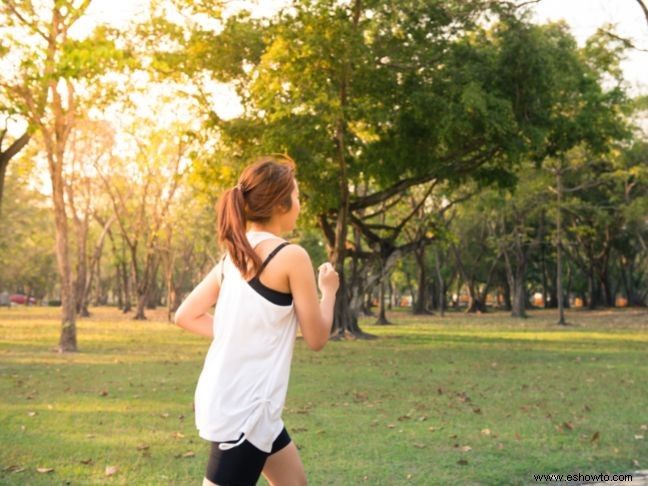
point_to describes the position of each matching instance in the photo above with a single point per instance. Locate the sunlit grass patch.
(455, 400)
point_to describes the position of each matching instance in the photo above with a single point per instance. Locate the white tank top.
(242, 388)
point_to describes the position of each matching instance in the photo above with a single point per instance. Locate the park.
(474, 174)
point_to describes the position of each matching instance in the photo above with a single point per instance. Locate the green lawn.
(483, 399)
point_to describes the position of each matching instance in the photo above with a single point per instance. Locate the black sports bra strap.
(223, 268)
(270, 256)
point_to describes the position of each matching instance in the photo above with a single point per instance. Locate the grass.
(482, 399)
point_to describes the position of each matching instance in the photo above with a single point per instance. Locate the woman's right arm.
(315, 317)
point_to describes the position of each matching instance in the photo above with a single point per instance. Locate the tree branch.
(14, 148)
(32, 25)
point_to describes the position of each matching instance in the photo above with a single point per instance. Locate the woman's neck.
(275, 229)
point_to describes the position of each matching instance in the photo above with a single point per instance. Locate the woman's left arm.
(192, 314)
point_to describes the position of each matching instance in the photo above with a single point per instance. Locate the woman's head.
(265, 191)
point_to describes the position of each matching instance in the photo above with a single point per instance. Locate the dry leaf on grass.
(45, 470)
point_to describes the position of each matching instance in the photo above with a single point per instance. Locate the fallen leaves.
(45, 470)
(185, 455)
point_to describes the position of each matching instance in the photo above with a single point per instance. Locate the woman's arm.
(192, 314)
(315, 317)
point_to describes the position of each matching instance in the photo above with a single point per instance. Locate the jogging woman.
(264, 288)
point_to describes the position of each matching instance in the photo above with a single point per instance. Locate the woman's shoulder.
(290, 253)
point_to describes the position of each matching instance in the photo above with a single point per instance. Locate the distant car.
(21, 299)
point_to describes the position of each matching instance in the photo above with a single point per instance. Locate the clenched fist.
(328, 279)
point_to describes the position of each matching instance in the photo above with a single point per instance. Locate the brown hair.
(262, 186)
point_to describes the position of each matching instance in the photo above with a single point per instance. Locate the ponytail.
(262, 186)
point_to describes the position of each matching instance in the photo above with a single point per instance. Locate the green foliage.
(410, 99)
(27, 259)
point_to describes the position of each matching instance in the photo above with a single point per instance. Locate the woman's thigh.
(284, 468)
(241, 465)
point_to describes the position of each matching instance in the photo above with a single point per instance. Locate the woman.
(265, 289)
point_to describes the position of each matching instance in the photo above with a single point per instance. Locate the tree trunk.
(128, 305)
(591, 290)
(119, 287)
(440, 282)
(559, 286)
(421, 299)
(94, 266)
(519, 299)
(344, 320)
(366, 308)
(515, 278)
(67, 340)
(382, 317)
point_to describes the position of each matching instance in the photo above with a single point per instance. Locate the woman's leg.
(284, 468)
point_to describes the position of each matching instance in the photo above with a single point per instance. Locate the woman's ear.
(281, 209)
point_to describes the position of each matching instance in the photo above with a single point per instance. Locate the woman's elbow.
(179, 318)
(317, 344)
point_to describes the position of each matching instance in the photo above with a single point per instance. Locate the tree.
(142, 211)
(53, 67)
(389, 95)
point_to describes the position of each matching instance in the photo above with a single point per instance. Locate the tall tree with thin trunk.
(51, 66)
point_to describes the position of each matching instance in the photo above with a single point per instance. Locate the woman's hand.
(328, 279)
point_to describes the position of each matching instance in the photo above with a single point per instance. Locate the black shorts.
(240, 465)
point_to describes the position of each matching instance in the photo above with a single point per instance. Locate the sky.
(583, 17)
